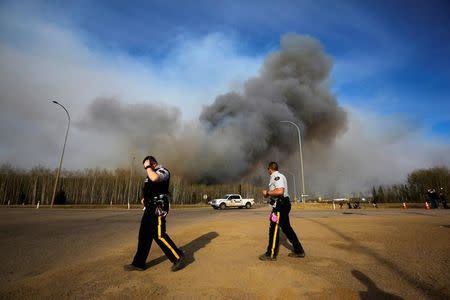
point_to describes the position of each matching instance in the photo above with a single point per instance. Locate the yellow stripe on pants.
(164, 241)
(274, 240)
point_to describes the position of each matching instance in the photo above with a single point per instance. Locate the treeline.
(97, 186)
(416, 186)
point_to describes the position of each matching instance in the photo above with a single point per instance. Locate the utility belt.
(156, 200)
(278, 202)
(275, 200)
(157, 205)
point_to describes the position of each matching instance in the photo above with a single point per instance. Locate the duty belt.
(156, 200)
(160, 197)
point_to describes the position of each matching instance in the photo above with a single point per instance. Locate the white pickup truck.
(231, 200)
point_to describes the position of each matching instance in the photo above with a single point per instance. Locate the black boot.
(178, 264)
(266, 257)
(132, 267)
(295, 254)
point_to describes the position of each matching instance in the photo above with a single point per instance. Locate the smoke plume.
(239, 130)
(292, 86)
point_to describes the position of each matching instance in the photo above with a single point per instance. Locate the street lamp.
(301, 154)
(129, 185)
(62, 154)
(295, 185)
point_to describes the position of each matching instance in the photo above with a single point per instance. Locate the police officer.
(153, 223)
(433, 197)
(281, 206)
(442, 198)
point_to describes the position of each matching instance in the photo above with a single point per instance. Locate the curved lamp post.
(301, 154)
(62, 154)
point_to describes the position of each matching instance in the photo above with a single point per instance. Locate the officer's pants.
(283, 223)
(154, 228)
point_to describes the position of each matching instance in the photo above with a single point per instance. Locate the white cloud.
(41, 62)
(375, 150)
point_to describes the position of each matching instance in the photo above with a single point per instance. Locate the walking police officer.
(153, 223)
(281, 206)
(442, 198)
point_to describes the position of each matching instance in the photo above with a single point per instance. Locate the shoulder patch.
(277, 178)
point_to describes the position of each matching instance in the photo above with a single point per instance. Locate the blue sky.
(392, 57)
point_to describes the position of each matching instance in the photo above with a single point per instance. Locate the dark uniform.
(279, 218)
(442, 199)
(153, 223)
(433, 197)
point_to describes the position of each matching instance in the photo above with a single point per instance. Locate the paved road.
(33, 241)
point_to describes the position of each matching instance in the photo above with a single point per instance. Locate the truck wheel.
(248, 205)
(222, 205)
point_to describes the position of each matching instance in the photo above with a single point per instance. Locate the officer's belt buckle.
(159, 198)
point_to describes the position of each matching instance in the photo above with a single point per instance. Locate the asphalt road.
(38, 241)
(34, 241)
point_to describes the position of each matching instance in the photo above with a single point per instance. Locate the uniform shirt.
(162, 172)
(278, 180)
(161, 186)
(152, 190)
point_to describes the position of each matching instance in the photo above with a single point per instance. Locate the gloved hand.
(159, 212)
(273, 217)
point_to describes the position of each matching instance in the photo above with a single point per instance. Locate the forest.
(99, 186)
(415, 188)
(120, 186)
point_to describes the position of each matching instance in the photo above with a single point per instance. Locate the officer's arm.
(276, 192)
(152, 175)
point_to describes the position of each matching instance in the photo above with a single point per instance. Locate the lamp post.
(129, 185)
(62, 154)
(301, 154)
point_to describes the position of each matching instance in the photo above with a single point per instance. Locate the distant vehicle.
(231, 200)
(340, 199)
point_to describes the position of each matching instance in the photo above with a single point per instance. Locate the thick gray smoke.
(292, 86)
(141, 125)
(239, 131)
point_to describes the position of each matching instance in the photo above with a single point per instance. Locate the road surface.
(350, 254)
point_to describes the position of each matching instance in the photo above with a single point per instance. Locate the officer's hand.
(142, 201)
(265, 193)
(146, 163)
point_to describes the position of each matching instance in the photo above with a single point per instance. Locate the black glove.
(162, 207)
(160, 212)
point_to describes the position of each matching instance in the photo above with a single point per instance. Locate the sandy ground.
(351, 254)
